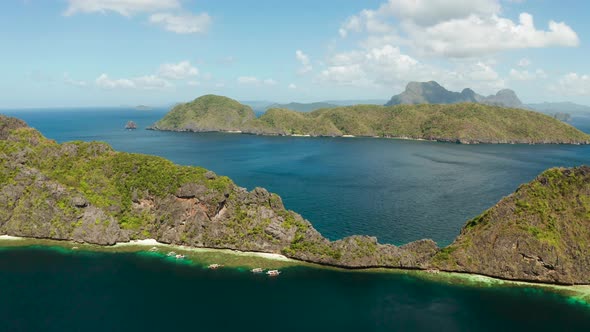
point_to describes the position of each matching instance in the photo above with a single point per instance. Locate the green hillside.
(206, 113)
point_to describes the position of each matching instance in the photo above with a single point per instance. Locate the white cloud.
(388, 68)
(184, 23)
(147, 82)
(455, 28)
(177, 71)
(193, 83)
(525, 75)
(248, 80)
(430, 12)
(123, 7)
(524, 62)
(304, 61)
(251, 80)
(292, 86)
(367, 20)
(573, 84)
(370, 66)
(475, 36)
(70, 81)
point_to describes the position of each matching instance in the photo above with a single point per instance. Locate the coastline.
(406, 138)
(201, 257)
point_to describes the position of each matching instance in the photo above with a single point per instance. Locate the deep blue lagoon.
(397, 190)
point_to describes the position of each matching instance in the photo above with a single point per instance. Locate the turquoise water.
(397, 190)
(45, 290)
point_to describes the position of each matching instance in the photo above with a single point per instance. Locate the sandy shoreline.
(10, 238)
(155, 243)
(579, 293)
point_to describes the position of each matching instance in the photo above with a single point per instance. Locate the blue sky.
(159, 52)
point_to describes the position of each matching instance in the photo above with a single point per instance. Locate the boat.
(131, 125)
(74, 248)
(273, 273)
(179, 256)
(172, 253)
(214, 266)
(257, 270)
(153, 249)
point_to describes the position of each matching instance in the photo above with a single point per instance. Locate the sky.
(78, 53)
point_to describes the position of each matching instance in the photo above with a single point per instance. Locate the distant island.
(468, 123)
(563, 107)
(143, 108)
(89, 193)
(433, 93)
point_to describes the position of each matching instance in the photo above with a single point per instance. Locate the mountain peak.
(433, 93)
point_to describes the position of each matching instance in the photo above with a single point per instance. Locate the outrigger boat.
(179, 256)
(273, 273)
(214, 266)
(257, 270)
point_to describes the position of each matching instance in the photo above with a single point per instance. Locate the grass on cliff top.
(108, 179)
(457, 121)
(554, 209)
(207, 112)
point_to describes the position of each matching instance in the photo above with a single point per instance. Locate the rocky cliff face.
(539, 233)
(86, 192)
(433, 93)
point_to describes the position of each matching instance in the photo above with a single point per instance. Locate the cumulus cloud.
(456, 28)
(304, 61)
(475, 36)
(147, 82)
(123, 7)
(183, 23)
(252, 80)
(177, 71)
(573, 84)
(70, 81)
(525, 75)
(387, 67)
(292, 86)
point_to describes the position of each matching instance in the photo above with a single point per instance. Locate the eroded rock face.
(539, 233)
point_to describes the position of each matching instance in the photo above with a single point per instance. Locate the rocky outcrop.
(539, 233)
(433, 93)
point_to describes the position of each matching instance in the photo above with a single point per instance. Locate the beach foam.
(8, 237)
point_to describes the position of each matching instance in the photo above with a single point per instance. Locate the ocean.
(396, 190)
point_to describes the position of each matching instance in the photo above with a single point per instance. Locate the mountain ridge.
(433, 93)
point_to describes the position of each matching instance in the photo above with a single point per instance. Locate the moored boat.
(273, 273)
(172, 253)
(179, 256)
(214, 266)
(257, 270)
(153, 249)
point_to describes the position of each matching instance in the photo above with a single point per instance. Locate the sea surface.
(396, 190)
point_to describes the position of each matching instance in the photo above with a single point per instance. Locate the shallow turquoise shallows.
(44, 290)
(399, 191)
